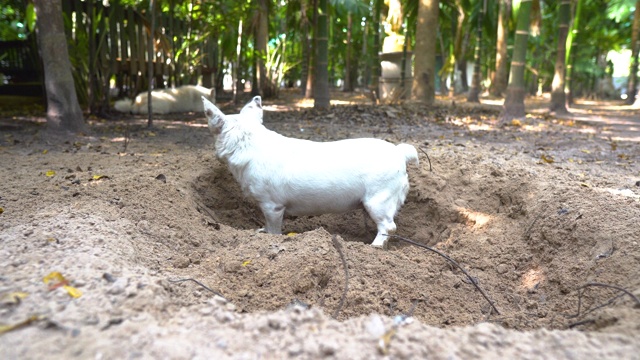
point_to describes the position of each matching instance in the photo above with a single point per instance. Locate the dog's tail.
(409, 152)
(123, 105)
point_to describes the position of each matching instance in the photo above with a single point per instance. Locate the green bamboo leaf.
(31, 17)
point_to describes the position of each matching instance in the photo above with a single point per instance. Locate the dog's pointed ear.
(215, 117)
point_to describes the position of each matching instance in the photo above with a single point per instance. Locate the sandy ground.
(541, 214)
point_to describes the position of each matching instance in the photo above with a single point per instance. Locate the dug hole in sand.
(122, 227)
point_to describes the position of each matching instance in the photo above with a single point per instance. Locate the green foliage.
(605, 25)
(13, 20)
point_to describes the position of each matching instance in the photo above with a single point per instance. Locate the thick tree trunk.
(262, 37)
(321, 88)
(150, 65)
(632, 84)
(423, 89)
(348, 86)
(501, 75)
(477, 70)
(306, 46)
(63, 110)
(558, 97)
(236, 65)
(571, 47)
(514, 102)
(376, 69)
(460, 46)
(311, 76)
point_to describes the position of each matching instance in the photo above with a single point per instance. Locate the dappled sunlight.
(477, 219)
(308, 103)
(533, 278)
(622, 193)
(495, 102)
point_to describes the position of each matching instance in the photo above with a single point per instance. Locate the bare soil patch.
(533, 211)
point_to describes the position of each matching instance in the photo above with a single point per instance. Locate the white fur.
(181, 99)
(301, 177)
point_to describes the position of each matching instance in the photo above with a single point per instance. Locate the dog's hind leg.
(382, 212)
(273, 215)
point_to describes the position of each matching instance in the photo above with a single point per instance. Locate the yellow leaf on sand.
(13, 298)
(586, 151)
(6, 328)
(54, 276)
(516, 122)
(45, 151)
(292, 234)
(73, 292)
(98, 177)
(56, 280)
(547, 159)
(246, 262)
(50, 173)
(585, 185)
(1, 210)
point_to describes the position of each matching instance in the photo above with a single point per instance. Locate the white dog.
(181, 99)
(301, 177)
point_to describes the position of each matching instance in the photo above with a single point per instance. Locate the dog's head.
(252, 112)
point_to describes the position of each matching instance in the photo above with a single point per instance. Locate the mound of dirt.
(542, 214)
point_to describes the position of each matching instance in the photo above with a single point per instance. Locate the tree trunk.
(571, 47)
(63, 110)
(514, 102)
(376, 69)
(306, 46)
(348, 86)
(558, 97)
(236, 65)
(423, 89)
(150, 64)
(321, 88)
(459, 52)
(92, 84)
(260, 52)
(632, 84)
(311, 76)
(477, 70)
(500, 76)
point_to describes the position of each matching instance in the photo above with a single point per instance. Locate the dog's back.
(186, 98)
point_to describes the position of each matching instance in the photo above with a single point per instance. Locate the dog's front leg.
(273, 215)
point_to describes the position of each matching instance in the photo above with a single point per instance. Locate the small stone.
(206, 311)
(181, 262)
(224, 316)
(503, 268)
(328, 348)
(295, 349)
(118, 287)
(218, 301)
